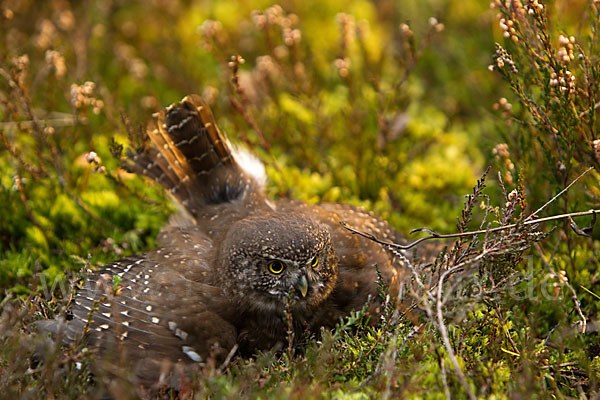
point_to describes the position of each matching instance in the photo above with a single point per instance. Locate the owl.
(235, 271)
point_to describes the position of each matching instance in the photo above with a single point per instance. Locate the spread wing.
(155, 308)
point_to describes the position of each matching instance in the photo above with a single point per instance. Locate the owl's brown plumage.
(225, 275)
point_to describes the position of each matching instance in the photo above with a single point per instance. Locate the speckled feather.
(208, 287)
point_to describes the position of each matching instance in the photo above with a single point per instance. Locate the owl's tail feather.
(191, 158)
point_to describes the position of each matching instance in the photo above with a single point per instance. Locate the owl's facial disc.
(277, 256)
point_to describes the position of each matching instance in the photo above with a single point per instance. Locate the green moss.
(36, 238)
(295, 109)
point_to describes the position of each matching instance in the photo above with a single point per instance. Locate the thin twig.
(528, 221)
(250, 121)
(35, 172)
(586, 112)
(503, 322)
(560, 193)
(444, 379)
(229, 357)
(240, 107)
(67, 120)
(290, 328)
(438, 319)
(567, 364)
(444, 333)
(566, 283)
(435, 235)
(382, 331)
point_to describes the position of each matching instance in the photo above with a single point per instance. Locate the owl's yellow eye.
(314, 262)
(276, 267)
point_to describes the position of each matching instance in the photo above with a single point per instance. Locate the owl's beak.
(302, 285)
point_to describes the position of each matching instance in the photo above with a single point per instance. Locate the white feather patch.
(189, 351)
(250, 164)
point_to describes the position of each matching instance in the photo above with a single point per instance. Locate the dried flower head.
(47, 36)
(235, 61)
(405, 29)
(291, 36)
(596, 148)
(210, 28)
(66, 20)
(534, 7)
(503, 58)
(267, 67)
(563, 80)
(347, 31)
(57, 61)
(502, 154)
(81, 96)
(565, 52)
(342, 65)
(436, 25)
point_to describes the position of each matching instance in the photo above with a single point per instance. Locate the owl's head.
(270, 257)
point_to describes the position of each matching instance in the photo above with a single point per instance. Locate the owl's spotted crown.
(277, 235)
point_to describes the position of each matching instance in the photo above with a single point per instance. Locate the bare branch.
(446, 340)
(560, 193)
(587, 231)
(435, 235)
(564, 281)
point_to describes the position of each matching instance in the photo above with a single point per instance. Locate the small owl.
(232, 267)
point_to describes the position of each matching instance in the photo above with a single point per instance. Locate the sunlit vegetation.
(399, 107)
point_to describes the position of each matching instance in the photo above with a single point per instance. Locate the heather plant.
(554, 78)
